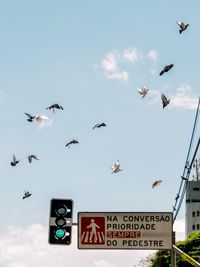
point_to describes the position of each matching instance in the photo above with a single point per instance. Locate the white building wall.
(192, 207)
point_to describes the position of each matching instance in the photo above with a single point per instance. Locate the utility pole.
(173, 253)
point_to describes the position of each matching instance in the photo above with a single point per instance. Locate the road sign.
(125, 230)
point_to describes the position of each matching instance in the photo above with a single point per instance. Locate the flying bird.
(26, 194)
(116, 167)
(30, 117)
(99, 125)
(14, 162)
(156, 183)
(30, 157)
(166, 68)
(41, 118)
(165, 101)
(73, 141)
(55, 106)
(182, 26)
(143, 91)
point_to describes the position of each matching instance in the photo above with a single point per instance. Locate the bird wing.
(41, 118)
(141, 91)
(95, 126)
(164, 98)
(30, 158)
(27, 114)
(157, 183)
(162, 71)
(117, 165)
(14, 158)
(179, 23)
(34, 157)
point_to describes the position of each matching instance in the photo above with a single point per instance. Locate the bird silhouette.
(166, 69)
(182, 26)
(26, 194)
(55, 106)
(99, 125)
(143, 91)
(14, 162)
(73, 141)
(156, 183)
(30, 117)
(41, 118)
(165, 101)
(116, 167)
(30, 157)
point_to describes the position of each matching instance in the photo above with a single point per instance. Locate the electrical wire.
(187, 168)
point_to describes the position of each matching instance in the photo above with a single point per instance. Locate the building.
(192, 214)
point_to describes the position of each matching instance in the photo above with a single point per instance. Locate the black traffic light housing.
(60, 221)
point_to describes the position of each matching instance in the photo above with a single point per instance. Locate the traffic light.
(60, 221)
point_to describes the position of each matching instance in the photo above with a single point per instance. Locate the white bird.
(182, 26)
(116, 167)
(143, 91)
(40, 118)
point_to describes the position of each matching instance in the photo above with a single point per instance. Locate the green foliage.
(191, 246)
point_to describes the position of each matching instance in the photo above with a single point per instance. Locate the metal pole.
(173, 253)
(186, 257)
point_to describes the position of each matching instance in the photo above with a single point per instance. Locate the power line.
(187, 168)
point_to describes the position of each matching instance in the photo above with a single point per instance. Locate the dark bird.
(182, 26)
(156, 183)
(30, 117)
(26, 194)
(166, 69)
(14, 162)
(30, 157)
(99, 125)
(55, 106)
(165, 101)
(73, 141)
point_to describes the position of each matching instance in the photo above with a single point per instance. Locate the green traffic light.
(59, 233)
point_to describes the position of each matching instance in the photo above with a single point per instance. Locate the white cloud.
(121, 76)
(183, 98)
(28, 246)
(109, 63)
(153, 55)
(131, 54)
(110, 66)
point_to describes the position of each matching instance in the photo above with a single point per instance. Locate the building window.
(193, 227)
(196, 188)
(193, 214)
(198, 213)
(197, 226)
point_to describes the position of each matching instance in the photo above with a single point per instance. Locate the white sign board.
(122, 230)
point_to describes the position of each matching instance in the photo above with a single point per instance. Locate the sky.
(90, 57)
